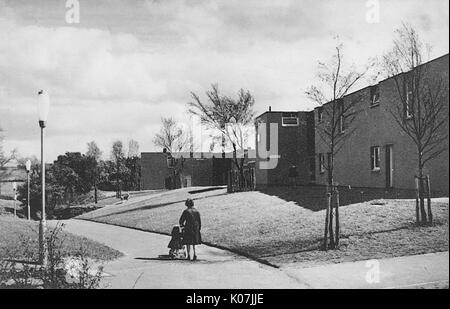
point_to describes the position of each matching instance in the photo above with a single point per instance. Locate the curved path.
(145, 265)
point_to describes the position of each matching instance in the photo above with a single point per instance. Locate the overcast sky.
(126, 64)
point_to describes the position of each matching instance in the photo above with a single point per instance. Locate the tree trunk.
(331, 219)
(337, 219)
(95, 194)
(430, 214)
(423, 213)
(417, 201)
(327, 218)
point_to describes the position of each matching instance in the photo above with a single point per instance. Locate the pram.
(176, 248)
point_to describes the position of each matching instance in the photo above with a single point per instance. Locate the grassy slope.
(13, 231)
(268, 227)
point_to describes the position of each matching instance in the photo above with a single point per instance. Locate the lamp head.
(28, 165)
(43, 107)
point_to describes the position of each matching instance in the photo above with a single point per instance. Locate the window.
(375, 158)
(289, 120)
(320, 114)
(321, 163)
(341, 124)
(374, 95)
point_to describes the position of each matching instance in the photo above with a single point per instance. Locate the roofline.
(384, 80)
(274, 112)
(356, 91)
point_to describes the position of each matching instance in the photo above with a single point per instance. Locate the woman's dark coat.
(190, 219)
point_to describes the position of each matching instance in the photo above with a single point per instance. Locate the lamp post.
(28, 166)
(43, 106)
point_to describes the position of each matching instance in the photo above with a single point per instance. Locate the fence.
(244, 182)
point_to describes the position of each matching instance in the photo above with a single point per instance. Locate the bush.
(61, 271)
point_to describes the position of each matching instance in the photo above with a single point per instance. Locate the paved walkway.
(416, 271)
(144, 266)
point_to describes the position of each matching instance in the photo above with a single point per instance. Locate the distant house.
(157, 171)
(8, 176)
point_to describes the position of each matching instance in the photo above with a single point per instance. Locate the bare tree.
(230, 117)
(133, 148)
(420, 111)
(173, 138)
(338, 112)
(5, 158)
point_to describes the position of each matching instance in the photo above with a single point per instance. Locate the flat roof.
(356, 91)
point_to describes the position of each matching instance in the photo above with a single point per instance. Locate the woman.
(190, 220)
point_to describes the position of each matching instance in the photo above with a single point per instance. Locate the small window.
(321, 163)
(289, 120)
(375, 158)
(374, 95)
(320, 114)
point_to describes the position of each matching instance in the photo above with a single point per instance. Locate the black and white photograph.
(227, 150)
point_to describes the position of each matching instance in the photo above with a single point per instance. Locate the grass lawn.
(268, 227)
(13, 232)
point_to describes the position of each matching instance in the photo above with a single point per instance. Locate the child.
(176, 243)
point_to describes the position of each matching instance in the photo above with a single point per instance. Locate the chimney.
(270, 108)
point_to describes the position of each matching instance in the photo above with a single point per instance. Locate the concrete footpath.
(416, 271)
(145, 265)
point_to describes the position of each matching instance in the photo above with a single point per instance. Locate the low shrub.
(60, 272)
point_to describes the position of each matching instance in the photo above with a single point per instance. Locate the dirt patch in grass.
(279, 231)
(13, 231)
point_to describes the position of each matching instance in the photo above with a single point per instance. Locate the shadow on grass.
(314, 197)
(149, 207)
(206, 189)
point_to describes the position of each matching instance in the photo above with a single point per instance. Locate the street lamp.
(28, 166)
(43, 106)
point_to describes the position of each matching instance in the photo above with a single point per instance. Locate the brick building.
(295, 148)
(378, 154)
(156, 173)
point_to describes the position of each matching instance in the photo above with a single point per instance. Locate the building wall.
(375, 126)
(203, 172)
(154, 170)
(295, 147)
